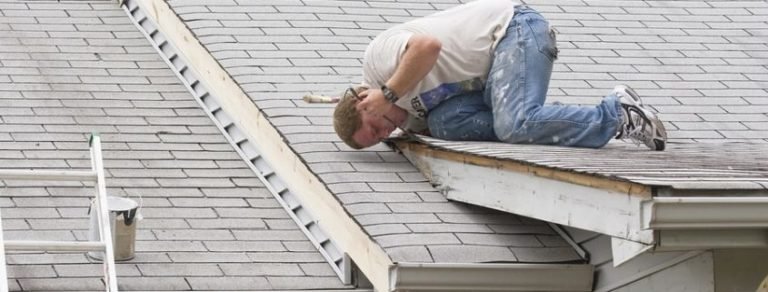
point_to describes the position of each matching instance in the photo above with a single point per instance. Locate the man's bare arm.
(418, 59)
(420, 56)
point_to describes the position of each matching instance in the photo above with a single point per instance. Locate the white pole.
(3, 274)
(102, 209)
(34, 245)
(51, 175)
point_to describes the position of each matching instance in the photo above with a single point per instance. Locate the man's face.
(372, 130)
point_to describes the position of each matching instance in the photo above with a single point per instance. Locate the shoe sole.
(659, 141)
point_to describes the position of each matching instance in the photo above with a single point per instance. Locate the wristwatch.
(389, 95)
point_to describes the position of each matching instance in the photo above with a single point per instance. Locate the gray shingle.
(210, 257)
(416, 239)
(285, 257)
(298, 282)
(244, 245)
(91, 270)
(470, 253)
(238, 269)
(228, 283)
(186, 234)
(152, 283)
(17, 271)
(78, 284)
(268, 235)
(549, 254)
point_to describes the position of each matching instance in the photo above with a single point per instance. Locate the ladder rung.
(35, 245)
(55, 175)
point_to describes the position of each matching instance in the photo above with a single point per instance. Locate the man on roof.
(480, 72)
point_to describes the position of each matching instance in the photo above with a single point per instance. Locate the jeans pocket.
(544, 35)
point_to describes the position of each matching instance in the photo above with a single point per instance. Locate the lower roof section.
(640, 213)
(562, 197)
(708, 169)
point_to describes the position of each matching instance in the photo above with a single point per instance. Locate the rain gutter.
(664, 213)
(490, 277)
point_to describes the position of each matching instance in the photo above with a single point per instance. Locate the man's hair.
(346, 118)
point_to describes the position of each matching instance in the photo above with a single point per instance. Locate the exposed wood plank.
(624, 186)
(682, 166)
(601, 206)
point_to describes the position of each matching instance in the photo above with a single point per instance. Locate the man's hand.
(374, 103)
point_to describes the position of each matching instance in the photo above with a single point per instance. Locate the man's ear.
(363, 93)
(357, 106)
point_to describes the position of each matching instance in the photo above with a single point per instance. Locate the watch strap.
(389, 95)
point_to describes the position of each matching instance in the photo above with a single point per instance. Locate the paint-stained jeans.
(511, 107)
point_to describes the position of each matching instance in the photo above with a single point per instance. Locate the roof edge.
(542, 171)
(525, 192)
(491, 277)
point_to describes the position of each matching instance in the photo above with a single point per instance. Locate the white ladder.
(105, 234)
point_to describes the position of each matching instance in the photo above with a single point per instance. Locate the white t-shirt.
(468, 33)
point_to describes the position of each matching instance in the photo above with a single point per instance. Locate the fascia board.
(491, 277)
(612, 209)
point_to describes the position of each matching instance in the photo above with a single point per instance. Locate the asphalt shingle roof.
(67, 69)
(70, 68)
(701, 64)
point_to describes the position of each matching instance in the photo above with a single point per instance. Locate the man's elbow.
(426, 45)
(432, 45)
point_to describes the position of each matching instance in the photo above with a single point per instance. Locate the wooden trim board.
(539, 171)
(613, 209)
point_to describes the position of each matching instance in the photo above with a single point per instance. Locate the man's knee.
(510, 131)
(463, 127)
(504, 132)
(441, 127)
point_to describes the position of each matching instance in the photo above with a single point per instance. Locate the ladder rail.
(52, 245)
(49, 175)
(105, 243)
(3, 273)
(102, 209)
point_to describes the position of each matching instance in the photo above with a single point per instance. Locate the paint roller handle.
(310, 98)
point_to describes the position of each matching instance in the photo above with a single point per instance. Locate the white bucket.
(123, 218)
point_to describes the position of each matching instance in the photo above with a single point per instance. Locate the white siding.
(692, 275)
(661, 271)
(740, 269)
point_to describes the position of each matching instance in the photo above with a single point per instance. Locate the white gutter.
(699, 239)
(662, 213)
(490, 277)
(698, 223)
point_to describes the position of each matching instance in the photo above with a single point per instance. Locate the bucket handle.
(128, 216)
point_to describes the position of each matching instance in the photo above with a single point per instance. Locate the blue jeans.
(511, 106)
